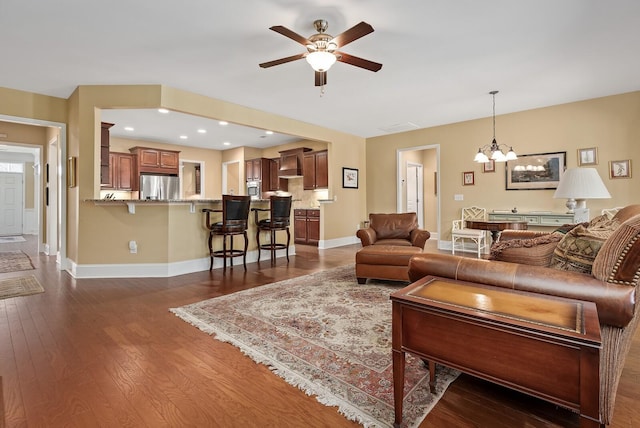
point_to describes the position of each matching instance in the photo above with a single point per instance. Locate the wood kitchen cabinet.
(258, 170)
(156, 161)
(122, 172)
(306, 226)
(104, 154)
(275, 182)
(315, 169)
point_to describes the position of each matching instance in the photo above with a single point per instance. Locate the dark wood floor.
(107, 352)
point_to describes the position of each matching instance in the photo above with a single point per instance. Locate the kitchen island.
(154, 238)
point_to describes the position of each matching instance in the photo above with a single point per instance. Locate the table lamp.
(578, 185)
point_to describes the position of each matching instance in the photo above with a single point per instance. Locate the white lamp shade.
(581, 183)
(321, 60)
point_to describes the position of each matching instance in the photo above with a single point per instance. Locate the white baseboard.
(161, 270)
(338, 242)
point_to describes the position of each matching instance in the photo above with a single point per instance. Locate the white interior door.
(51, 179)
(11, 200)
(414, 191)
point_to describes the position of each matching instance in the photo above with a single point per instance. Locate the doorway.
(192, 179)
(11, 195)
(231, 180)
(55, 219)
(415, 190)
(417, 185)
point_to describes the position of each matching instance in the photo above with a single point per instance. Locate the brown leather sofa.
(397, 229)
(612, 285)
(387, 245)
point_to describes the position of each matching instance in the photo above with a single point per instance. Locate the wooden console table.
(545, 346)
(497, 226)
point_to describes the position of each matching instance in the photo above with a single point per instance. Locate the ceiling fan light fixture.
(321, 60)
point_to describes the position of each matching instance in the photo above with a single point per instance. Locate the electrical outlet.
(133, 247)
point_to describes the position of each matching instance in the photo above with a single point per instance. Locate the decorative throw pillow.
(579, 247)
(534, 251)
(618, 261)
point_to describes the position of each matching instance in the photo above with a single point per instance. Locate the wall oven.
(253, 189)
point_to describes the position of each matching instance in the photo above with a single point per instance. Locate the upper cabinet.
(104, 154)
(257, 169)
(156, 161)
(316, 170)
(275, 182)
(122, 175)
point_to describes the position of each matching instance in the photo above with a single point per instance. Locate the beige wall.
(611, 124)
(340, 220)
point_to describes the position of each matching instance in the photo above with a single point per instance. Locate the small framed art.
(588, 156)
(468, 178)
(620, 169)
(489, 166)
(349, 178)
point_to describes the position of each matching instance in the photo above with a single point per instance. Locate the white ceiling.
(440, 57)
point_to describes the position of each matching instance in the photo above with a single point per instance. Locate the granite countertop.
(163, 201)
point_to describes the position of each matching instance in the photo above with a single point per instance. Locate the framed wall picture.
(468, 178)
(620, 169)
(535, 172)
(489, 166)
(349, 178)
(588, 156)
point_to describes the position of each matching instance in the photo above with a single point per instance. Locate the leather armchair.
(393, 229)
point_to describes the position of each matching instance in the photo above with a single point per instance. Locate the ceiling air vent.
(399, 127)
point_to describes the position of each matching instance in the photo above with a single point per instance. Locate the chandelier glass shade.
(321, 60)
(494, 151)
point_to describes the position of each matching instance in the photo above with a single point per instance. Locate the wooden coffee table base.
(545, 346)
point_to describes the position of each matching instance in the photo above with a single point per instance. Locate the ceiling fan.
(322, 49)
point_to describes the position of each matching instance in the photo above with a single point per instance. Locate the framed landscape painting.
(536, 171)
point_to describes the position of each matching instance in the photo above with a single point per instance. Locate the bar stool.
(279, 219)
(235, 220)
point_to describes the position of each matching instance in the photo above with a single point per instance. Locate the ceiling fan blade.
(321, 78)
(283, 60)
(358, 62)
(353, 33)
(290, 34)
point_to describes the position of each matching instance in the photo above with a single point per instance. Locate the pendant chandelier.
(495, 151)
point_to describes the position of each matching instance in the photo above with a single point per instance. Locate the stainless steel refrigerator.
(159, 187)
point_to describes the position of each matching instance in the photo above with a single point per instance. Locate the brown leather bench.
(384, 262)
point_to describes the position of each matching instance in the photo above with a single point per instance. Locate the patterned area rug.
(328, 336)
(13, 261)
(23, 286)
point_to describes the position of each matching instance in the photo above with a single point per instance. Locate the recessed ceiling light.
(183, 137)
(223, 123)
(163, 110)
(226, 143)
(129, 128)
(268, 132)
(202, 131)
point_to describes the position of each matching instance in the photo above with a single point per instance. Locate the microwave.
(253, 189)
